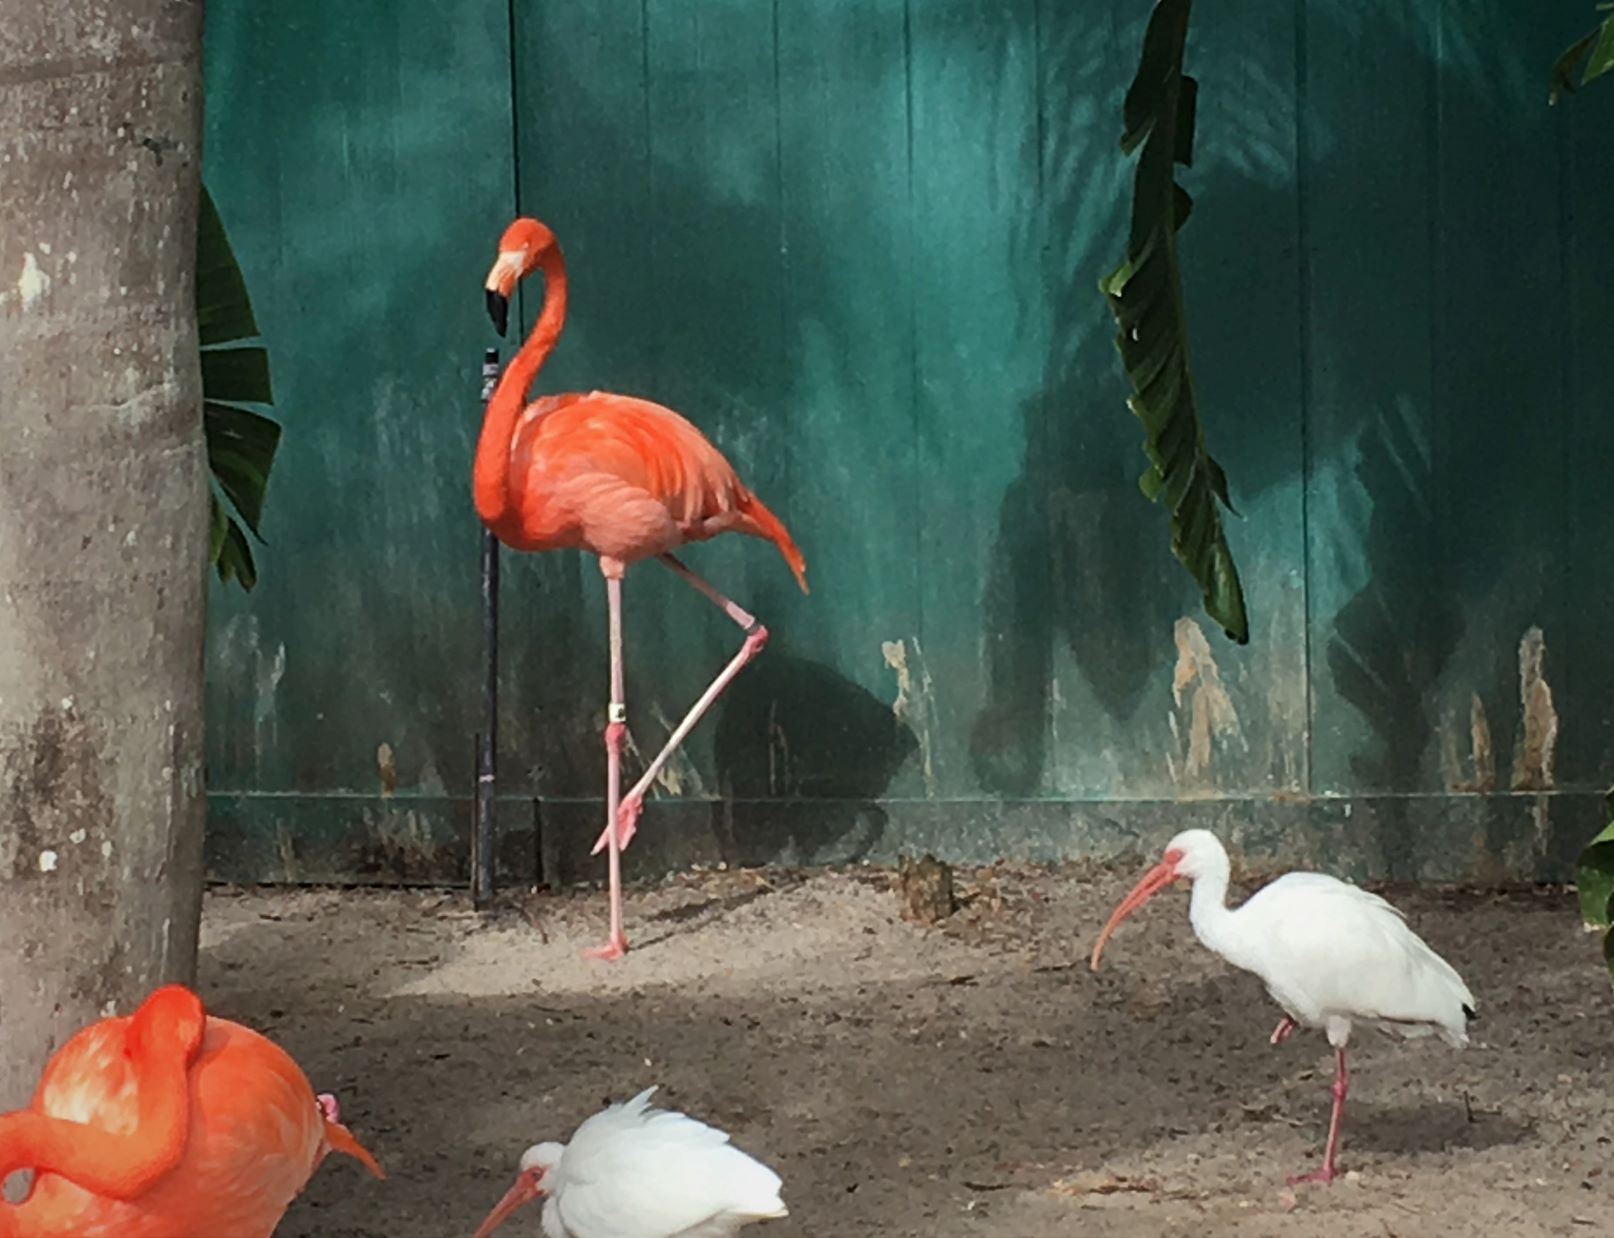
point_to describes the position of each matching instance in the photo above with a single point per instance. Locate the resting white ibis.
(631, 1171)
(1330, 954)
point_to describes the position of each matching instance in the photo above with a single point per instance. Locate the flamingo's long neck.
(491, 476)
(162, 1039)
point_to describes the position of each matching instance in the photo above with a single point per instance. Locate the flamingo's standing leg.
(1330, 1169)
(616, 726)
(756, 637)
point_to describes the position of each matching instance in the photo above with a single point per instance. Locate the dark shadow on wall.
(1082, 557)
(794, 729)
(1477, 536)
(1392, 641)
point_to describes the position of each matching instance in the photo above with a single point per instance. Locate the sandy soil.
(971, 1079)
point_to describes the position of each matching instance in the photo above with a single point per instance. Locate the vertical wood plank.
(980, 338)
(358, 178)
(1381, 627)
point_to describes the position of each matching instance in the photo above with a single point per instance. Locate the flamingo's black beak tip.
(499, 310)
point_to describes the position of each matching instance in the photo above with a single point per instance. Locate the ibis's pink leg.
(616, 945)
(1283, 1031)
(756, 636)
(1330, 1167)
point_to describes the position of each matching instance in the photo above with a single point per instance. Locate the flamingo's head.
(537, 1164)
(1190, 855)
(521, 248)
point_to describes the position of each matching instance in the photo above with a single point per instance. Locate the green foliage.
(1145, 294)
(1594, 878)
(241, 443)
(1589, 57)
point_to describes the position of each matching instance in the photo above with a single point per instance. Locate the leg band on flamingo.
(756, 639)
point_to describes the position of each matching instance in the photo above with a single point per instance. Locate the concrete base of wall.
(1474, 839)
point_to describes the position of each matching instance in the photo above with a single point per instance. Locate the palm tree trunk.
(103, 506)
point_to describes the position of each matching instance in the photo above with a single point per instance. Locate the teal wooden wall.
(859, 244)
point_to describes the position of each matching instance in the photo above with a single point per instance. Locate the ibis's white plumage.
(1332, 954)
(631, 1171)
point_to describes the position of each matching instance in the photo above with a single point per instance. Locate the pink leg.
(1283, 1031)
(329, 1107)
(756, 637)
(1330, 1169)
(616, 945)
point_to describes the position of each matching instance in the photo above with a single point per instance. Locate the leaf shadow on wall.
(1081, 557)
(1391, 642)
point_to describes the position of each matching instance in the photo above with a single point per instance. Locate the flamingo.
(168, 1123)
(631, 1171)
(620, 477)
(1331, 955)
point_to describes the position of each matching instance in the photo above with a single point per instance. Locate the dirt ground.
(948, 1082)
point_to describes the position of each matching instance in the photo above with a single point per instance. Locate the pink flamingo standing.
(621, 477)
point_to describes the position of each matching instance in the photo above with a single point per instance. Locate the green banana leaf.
(241, 443)
(1594, 879)
(1588, 58)
(1145, 294)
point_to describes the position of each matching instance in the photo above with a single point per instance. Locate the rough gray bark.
(102, 515)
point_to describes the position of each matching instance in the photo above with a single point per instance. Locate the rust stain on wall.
(1481, 753)
(1204, 715)
(913, 703)
(1532, 761)
(387, 766)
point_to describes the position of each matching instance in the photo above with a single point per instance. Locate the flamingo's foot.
(330, 1109)
(1321, 1177)
(627, 825)
(614, 948)
(1283, 1031)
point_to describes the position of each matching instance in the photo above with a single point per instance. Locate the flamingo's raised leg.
(1330, 1169)
(756, 638)
(1283, 1031)
(616, 945)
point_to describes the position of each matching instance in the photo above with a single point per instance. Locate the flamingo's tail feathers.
(773, 529)
(342, 1140)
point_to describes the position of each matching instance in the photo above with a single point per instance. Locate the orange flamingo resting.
(167, 1124)
(618, 476)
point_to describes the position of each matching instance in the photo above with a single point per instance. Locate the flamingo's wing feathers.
(643, 444)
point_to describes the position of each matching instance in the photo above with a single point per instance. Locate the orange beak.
(524, 1192)
(1154, 881)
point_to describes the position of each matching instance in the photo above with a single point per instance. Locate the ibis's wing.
(633, 1172)
(1332, 948)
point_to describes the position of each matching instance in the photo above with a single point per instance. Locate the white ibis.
(1330, 954)
(631, 1171)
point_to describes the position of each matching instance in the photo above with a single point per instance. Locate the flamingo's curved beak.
(1155, 880)
(499, 310)
(528, 1187)
(501, 285)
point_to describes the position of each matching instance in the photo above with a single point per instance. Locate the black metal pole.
(488, 740)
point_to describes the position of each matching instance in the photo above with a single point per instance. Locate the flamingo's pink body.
(626, 479)
(167, 1124)
(621, 477)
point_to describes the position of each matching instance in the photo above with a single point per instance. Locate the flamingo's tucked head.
(521, 248)
(1189, 855)
(537, 1163)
